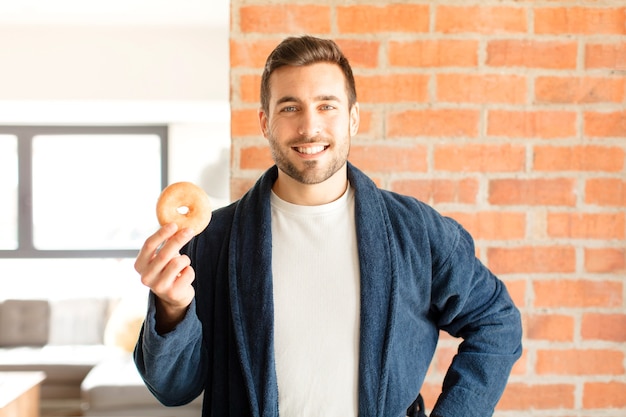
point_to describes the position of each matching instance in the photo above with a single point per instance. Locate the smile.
(310, 150)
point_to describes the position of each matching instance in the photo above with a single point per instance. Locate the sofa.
(114, 388)
(84, 346)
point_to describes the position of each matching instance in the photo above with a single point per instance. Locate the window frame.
(25, 135)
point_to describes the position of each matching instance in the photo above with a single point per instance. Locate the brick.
(579, 362)
(543, 124)
(443, 358)
(533, 192)
(578, 158)
(605, 260)
(606, 192)
(532, 54)
(436, 191)
(605, 124)
(520, 367)
(529, 259)
(579, 90)
(604, 226)
(572, 293)
(389, 158)
(285, 18)
(362, 18)
(360, 53)
(518, 396)
(447, 339)
(480, 19)
(550, 327)
(610, 394)
(250, 53)
(250, 88)
(244, 122)
(479, 158)
(239, 186)
(608, 327)
(255, 157)
(606, 56)
(580, 20)
(492, 225)
(481, 88)
(433, 53)
(392, 88)
(430, 391)
(365, 122)
(433, 122)
(517, 291)
(377, 180)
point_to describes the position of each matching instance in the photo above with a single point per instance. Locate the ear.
(263, 122)
(355, 119)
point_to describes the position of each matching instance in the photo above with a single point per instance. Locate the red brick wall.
(511, 117)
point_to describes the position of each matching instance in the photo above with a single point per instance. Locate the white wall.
(117, 62)
(86, 62)
(61, 68)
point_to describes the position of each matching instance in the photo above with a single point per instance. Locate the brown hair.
(302, 51)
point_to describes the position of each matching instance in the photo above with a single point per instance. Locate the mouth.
(311, 149)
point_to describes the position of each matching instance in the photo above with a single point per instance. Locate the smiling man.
(308, 120)
(317, 293)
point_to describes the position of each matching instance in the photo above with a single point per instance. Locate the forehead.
(305, 82)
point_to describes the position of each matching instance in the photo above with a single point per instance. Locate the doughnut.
(185, 204)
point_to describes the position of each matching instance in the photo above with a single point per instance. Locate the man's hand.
(168, 274)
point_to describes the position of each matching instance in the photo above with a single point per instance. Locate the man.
(318, 294)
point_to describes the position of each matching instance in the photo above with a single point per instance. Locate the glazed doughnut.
(185, 204)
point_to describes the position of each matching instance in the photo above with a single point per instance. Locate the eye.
(327, 107)
(289, 109)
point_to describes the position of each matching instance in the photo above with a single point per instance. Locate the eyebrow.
(287, 99)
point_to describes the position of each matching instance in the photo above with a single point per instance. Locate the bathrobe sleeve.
(170, 364)
(471, 303)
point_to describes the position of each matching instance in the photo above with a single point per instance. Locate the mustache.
(308, 139)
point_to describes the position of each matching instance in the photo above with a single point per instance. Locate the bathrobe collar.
(251, 294)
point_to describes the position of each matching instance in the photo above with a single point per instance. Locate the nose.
(309, 124)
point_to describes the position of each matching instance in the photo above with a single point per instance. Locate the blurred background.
(103, 65)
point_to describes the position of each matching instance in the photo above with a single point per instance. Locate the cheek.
(342, 128)
(281, 128)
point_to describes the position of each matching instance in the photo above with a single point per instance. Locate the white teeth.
(310, 150)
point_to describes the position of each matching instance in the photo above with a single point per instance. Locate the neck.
(325, 192)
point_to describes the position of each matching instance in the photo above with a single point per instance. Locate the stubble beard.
(311, 173)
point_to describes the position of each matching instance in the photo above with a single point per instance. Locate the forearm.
(479, 372)
(171, 363)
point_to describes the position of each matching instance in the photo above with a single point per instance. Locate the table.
(19, 393)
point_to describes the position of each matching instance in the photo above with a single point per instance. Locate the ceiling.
(114, 12)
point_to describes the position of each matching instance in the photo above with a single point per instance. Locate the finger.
(182, 289)
(175, 286)
(172, 246)
(162, 274)
(152, 245)
(186, 276)
(178, 265)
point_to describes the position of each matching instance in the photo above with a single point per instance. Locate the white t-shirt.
(316, 283)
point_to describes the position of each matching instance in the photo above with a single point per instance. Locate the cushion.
(78, 321)
(24, 322)
(115, 384)
(124, 325)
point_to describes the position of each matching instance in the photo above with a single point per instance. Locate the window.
(79, 192)
(8, 189)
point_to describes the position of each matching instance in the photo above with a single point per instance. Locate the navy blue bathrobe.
(419, 275)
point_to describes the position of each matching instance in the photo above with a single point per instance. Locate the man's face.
(309, 123)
